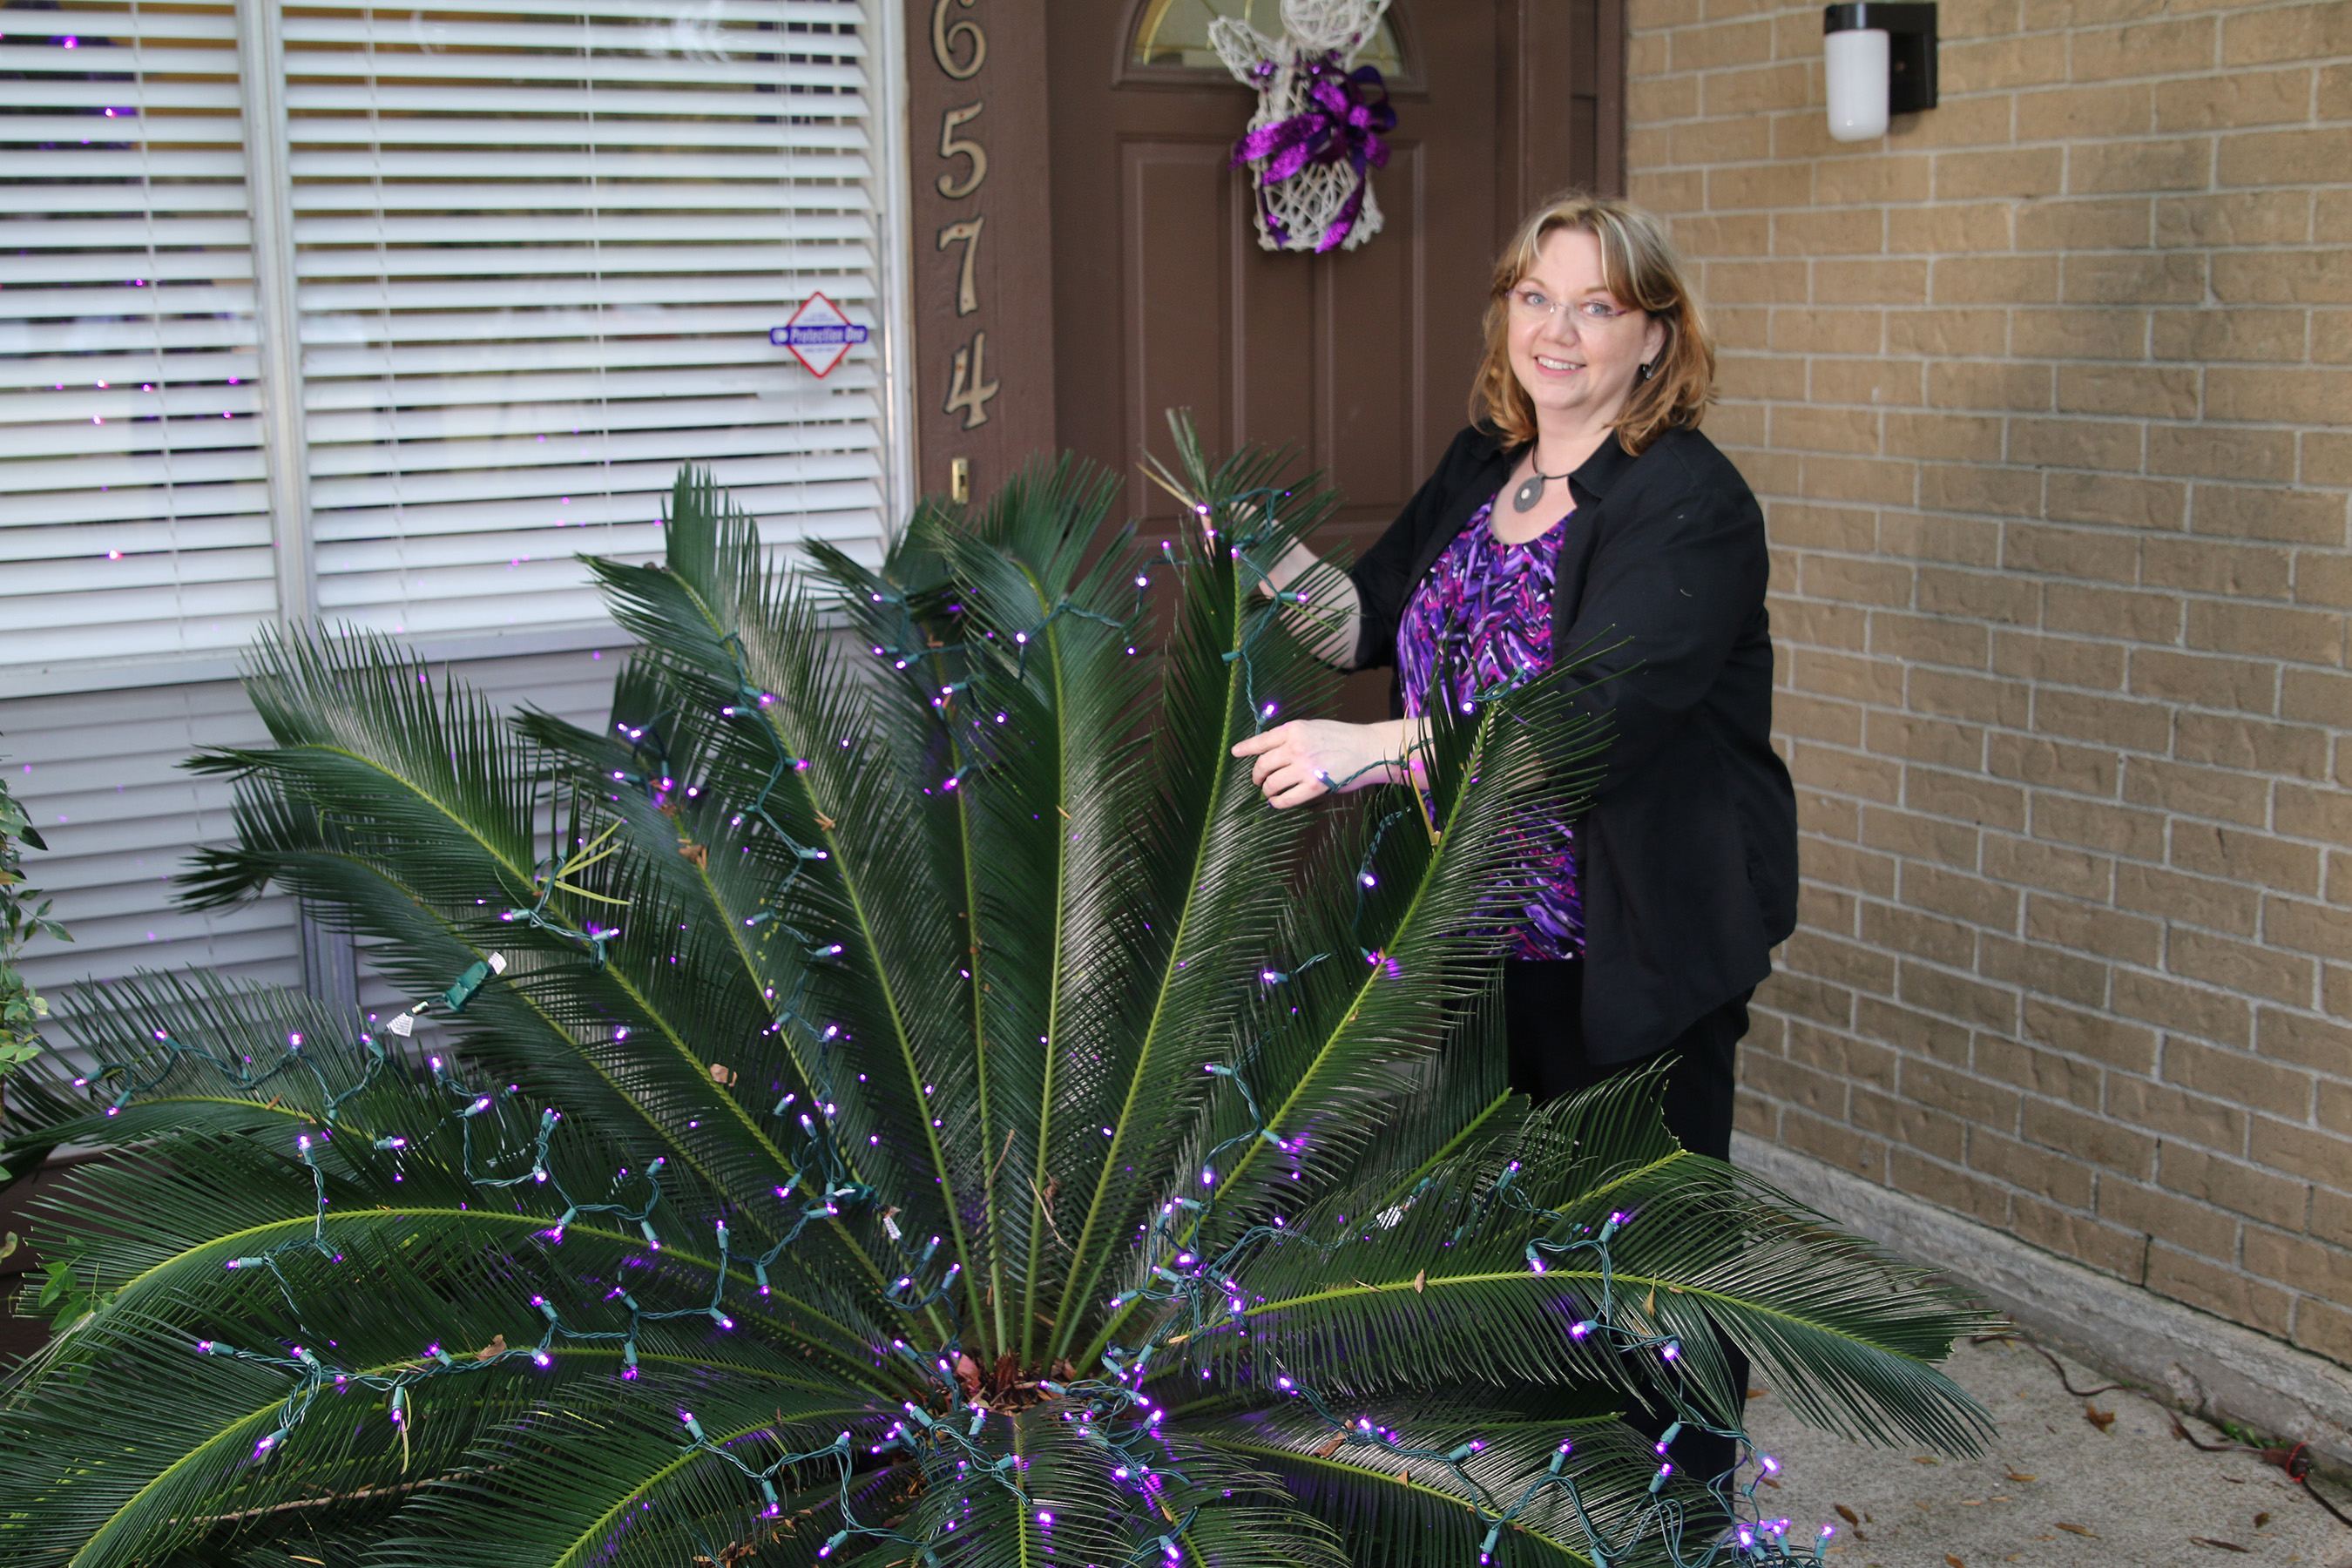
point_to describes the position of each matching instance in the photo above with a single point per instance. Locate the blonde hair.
(1639, 266)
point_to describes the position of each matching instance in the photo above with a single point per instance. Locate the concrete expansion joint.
(2189, 1359)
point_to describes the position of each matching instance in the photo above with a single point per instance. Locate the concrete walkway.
(2056, 1489)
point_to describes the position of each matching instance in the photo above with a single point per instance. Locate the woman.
(1585, 510)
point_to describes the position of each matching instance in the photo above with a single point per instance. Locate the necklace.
(1525, 498)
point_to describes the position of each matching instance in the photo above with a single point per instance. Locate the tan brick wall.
(2049, 397)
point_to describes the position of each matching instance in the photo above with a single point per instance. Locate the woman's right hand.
(1297, 762)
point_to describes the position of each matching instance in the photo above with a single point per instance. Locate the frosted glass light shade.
(1858, 60)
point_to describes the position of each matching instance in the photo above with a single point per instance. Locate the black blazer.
(1687, 858)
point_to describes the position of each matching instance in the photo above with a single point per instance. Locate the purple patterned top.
(1488, 606)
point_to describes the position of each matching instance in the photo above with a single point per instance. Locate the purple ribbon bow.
(1345, 113)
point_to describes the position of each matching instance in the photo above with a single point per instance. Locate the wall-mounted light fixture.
(1881, 61)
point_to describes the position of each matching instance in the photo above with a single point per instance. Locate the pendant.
(1529, 494)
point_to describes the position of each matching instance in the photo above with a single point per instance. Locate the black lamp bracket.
(1910, 47)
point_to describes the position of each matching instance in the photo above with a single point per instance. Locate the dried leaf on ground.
(2102, 1419)
(2224, 1545)
(1848, 1514)
(2078, 1530)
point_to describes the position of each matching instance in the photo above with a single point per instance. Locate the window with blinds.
(533, 255)
(387, 315)
(538, 254)
(133, 515)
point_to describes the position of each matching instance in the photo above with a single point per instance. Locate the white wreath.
(1306, 205)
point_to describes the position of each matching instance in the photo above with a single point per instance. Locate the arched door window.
(1174, 33)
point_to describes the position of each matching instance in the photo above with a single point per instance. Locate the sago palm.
(898, 1093)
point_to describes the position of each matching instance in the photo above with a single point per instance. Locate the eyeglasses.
(1529, 304)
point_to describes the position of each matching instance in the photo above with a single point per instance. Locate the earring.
(1648, 371)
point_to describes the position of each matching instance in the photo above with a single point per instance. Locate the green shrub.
(897, 1093)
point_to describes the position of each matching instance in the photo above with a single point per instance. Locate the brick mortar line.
(1926, 815)
(2103, 640)
(2119, 752)
(2197, 596)
(2312, 63)
(2020, 361)
(2239, 1158)
(2029, 362)
(2127, 966)
(1954, 771)
(2043, 574)
(2168, 921)
(2135, 1186)
(2018, 991)
(1946, 204)
(2103, 1174)
(1981, 672)
(2309, 66)
(2016, 465)
(2011, 1189)
(1994, 1179)
(2123, 752)
(2123, 966)
(2295, 1295)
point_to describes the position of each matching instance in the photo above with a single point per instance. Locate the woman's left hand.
(1304, 758)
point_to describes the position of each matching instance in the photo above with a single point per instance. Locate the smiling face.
(1578, 365)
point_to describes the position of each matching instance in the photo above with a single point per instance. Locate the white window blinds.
(133, 515)
(539, 253)
(535, 252)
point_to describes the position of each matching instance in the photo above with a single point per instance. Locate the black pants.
(1543, 1021)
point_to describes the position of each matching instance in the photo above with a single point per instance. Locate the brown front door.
(1361, 359)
